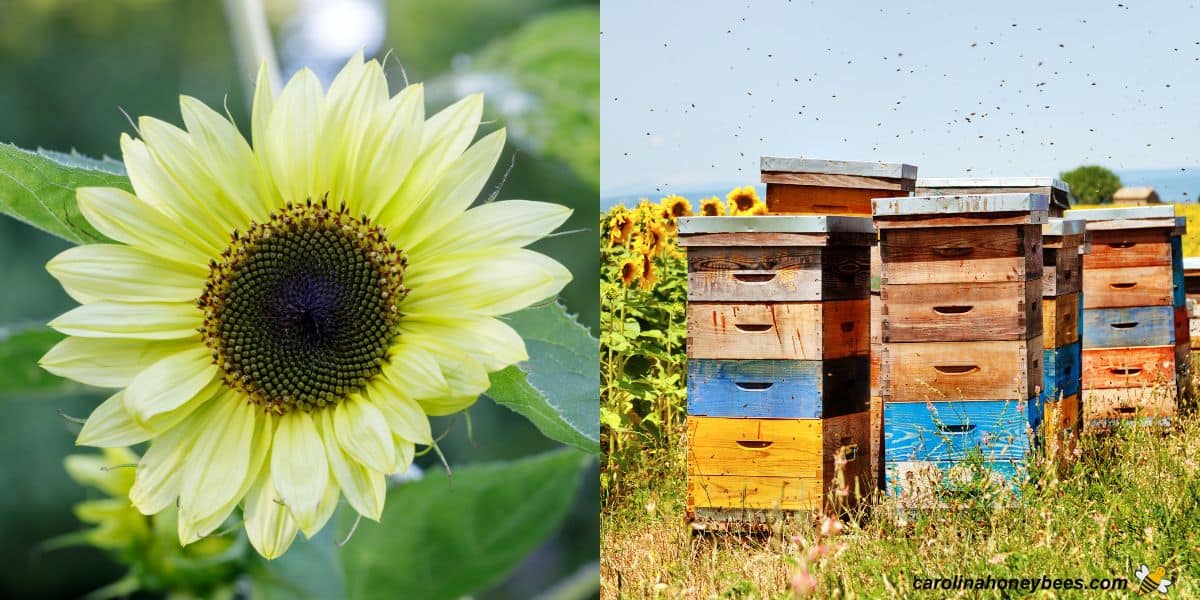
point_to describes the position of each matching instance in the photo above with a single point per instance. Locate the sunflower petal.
(493, 283)
(124, 273)
(225, 440)
(294, 139)
(111, 426)
(415, 371)
(263, 106)
(457, 188)
(325, 510)
(128, 219)
(504, 224)
(404, 416)
(260, 447)
(196, 196)
(269, 525)
(159, 474)
(390, 148)
(107, 362)
(298, 466)
(145, 321)
(355, 95)
(365, 489)
(486, 339)
(363, 433)
(171, 383)
(227, 156)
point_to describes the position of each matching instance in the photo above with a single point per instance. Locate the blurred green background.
(67, 66)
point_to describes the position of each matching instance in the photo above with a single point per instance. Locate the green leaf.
(20, 348)
(443, 539)
(558, 388)
(309, 570)
(544, 81)
(38, 188)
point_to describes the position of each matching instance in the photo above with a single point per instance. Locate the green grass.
(1131, 498)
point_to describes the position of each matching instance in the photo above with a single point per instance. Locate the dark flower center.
(301, 310)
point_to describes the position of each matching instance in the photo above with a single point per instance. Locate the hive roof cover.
(838, 167)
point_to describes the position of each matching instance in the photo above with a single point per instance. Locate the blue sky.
(694, 92)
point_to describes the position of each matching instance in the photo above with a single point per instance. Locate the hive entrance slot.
(753, 327)
(960, 429)
(1123, 286)
(1122, 245)
(956, 369)
(1126, 325)
(1125, 370)
(952, 310)
(955, 251)
(754, 277)
(1126, 410)
(753, 386)
(754, 444)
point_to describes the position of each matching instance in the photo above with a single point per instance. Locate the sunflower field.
(643, 329)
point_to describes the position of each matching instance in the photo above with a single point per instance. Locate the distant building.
(1136, 196)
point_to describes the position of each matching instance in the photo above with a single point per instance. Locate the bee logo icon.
(1152, 580)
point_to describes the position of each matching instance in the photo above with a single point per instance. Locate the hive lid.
(775, 224)
(1063, 227)
(1191, 263)
(838, 167)
(960, 204)
(1163, 211)
(993, 182)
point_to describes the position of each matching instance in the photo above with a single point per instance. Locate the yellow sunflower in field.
(677, 206)
(654, 239)
(282, 317)
(742, 200)
(647, 275)
(712, 207)
(631, 270)
(620, 226)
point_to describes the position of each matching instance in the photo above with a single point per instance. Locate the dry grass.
(1132, 498)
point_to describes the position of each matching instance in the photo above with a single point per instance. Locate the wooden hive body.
(778, 367)
(1058, 191)
(1136, 338)
(1064, 244)
(962, 351)
(833, 187)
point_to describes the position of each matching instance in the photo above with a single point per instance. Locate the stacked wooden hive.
(835, 187)
(1135, 326)
(1063, 246)
(1191, 283)
(1062, 302)
(777, 321)
(962, 334)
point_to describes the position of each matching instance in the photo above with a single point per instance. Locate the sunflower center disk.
(301, 310)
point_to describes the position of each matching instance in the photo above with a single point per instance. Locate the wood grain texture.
(780, 274)
(785, 164)
(1127, 327)
(1062, 271)
(771, 463)
(1062, 423)
(953, 430)
(1109, 368)
(960, 255)
(961, 370)
(960, 312)
(782, 330)
(1060, 320)
(964, 220)
(1132, 248)
(756, 240)
(1127, 404)
(788, 389)
(830, 180)
(786, 199)
(1061, 372)
(1128, 286)
(1183, 334)
(875, 462)
(1194, 332)
(1179, 291)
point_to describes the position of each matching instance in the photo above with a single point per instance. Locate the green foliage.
(556, 388)
(308, 571)
(642, 336)
(1092, 184)
(548, 87)
(443, 538)
(39, 189)
(20, 349)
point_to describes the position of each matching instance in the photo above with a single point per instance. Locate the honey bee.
(1152, 580)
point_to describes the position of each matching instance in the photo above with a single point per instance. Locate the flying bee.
(1152, 580)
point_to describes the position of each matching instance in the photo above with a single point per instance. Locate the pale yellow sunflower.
(281, 317)
(742, 200)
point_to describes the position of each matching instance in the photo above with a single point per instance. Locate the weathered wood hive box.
(1135, 322)
(1063, 245)
(1057, 190)
(1191, 283)
(962, 346)
(778, 366)
(837, 187)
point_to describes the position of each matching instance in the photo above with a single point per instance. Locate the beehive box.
(832, 187)
(1058, 191)
(1191, 274)
(962, 334)
(778, 369)
(1136, 337)
(1063, 245)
